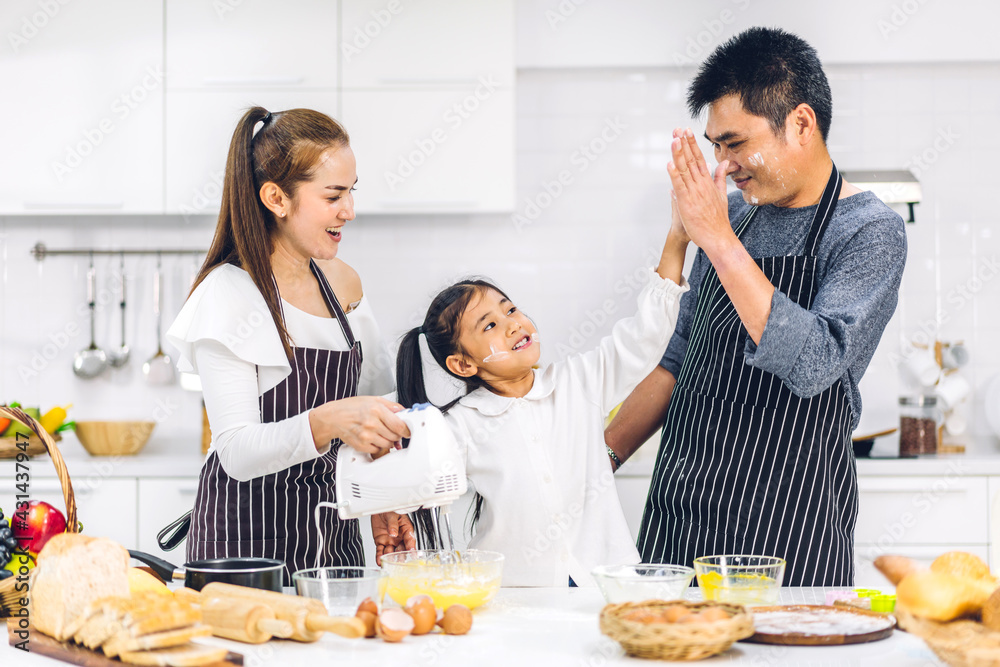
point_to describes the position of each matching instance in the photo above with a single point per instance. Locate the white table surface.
(524, 627)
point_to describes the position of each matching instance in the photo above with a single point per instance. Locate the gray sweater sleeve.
(810, 349)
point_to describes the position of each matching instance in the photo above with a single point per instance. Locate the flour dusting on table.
(818, 622)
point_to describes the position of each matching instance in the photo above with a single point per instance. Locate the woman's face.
(497, 338)
(314, 222)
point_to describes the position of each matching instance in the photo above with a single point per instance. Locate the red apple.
(42, 522)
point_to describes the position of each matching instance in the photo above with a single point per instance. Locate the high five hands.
(698, 196)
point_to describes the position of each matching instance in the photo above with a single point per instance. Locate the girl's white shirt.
(541, 463)
(225, 335)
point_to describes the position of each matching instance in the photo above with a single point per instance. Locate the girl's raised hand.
(677, 230)
(367, 423)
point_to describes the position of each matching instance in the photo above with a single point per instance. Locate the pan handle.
(165, 570)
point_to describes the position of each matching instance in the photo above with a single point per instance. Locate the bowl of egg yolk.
(471, 577)
(738, 579)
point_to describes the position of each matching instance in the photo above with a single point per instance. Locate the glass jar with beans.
(920, 419)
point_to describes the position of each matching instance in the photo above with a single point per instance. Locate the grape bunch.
(7, 545)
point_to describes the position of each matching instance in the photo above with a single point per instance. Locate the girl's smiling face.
(497, 340)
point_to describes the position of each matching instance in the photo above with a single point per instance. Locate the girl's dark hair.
(284, 151)
(441, 327)
(771, 71)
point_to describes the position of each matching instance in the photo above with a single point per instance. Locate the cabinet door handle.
(187, 490)
(428, 81)
(63, 205)
(253, 80)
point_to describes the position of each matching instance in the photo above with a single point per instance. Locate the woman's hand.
(392, 532)
(367, 423)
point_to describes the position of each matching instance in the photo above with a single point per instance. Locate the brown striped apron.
(272, 516)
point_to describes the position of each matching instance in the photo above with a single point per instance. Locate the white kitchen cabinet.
(421, 42)
(105, 506)
(199, 129)
(251, 43)
(942, 511)
(433, 151)
(652, 33)
(994, 513)
(866, 576)
(88, 78)
(161, 501)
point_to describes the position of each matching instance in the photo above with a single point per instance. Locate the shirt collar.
(491, 405)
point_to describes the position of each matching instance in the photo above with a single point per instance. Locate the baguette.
(895, 568)
(169, 639)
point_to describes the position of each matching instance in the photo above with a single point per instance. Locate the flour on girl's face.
(756, 160)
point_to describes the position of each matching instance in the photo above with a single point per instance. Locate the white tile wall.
(580, 249)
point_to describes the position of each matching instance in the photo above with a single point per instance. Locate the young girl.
(534, 439)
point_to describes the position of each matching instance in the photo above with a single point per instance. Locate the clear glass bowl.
(341, 589)
(740, 579)
(471, 578)
(645, 581)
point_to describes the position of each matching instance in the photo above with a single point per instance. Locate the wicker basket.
(961, 643)
(675, 641)
(9, 597)
(10, 448)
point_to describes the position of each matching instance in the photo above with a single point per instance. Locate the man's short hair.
(771, 71)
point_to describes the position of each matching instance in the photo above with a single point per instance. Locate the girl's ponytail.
(409, 373)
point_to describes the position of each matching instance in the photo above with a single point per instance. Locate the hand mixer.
(428, 473)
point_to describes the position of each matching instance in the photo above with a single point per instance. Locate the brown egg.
(368, 619)
(421, 608)
(393, 624)
(457, 620)
(713, 614)
(674, 613)
(368, 605)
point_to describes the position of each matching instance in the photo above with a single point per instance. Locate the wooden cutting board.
(74, 654)
(818, 625)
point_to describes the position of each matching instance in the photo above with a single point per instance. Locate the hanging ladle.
(118, 358)
(159, 369)
(90, 361)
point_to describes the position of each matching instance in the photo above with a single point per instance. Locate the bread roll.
(940, 596)
(72, 572)
(963, 564)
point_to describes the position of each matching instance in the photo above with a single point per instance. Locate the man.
(796, 277)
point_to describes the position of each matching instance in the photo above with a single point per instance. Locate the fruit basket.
(9, 446)
(664, 640)
(10, 598)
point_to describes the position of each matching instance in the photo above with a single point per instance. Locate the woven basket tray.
(675, 641)
(961, 643)
(9, 597)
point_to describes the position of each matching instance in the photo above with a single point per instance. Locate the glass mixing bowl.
(645, 581)
(341, 589)
(740, 579)
(471, 578)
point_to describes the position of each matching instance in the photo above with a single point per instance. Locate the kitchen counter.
(182, 458)
(971, 465)
(552, 627)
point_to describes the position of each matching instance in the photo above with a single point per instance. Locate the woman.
(276, 327)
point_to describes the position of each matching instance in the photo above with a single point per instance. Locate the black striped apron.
(745, 466)
(272, 516)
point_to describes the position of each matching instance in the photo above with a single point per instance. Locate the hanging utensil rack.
(40, 251)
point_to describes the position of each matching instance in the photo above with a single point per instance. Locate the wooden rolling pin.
(308, 616)
(234, 618)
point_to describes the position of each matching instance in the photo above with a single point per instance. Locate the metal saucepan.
(263, 573)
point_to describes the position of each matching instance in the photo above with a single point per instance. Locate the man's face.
(761, 164)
